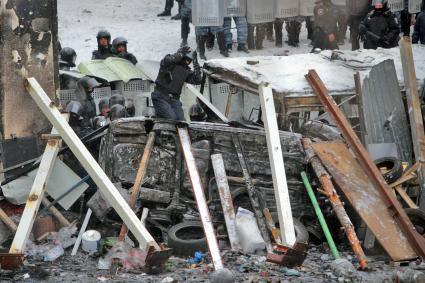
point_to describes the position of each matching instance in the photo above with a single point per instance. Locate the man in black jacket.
(173, 73)
(119, 47)
(358, 10)
(325, 23)
(380, 27)
(419, 31)
(104, 48)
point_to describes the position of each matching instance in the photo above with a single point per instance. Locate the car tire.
(395, 168)
(186, 238)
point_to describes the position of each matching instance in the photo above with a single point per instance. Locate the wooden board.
(365, 199)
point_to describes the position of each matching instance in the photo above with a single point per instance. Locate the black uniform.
(128, 56)
(325, 24)
(380, 29)
(173, 73)
(358, 10)
(102, 53)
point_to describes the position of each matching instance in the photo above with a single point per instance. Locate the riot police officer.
(119, 47)
(104, 48)
(380, 27)
(325, 22)
(67, 58)
(85, 88)
(173, 73)
(358, 10)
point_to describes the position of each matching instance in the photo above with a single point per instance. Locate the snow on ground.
(149, 36)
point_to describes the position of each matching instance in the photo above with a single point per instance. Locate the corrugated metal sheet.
(385, 117)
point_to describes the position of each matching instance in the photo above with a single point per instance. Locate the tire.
(186, 238)
(395, 168)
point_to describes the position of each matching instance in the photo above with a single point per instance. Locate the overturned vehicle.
(166, 188)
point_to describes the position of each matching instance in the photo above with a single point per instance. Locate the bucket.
(90, 241)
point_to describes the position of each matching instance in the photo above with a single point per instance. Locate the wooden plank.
(201, 201)
(35, 197)
(202, 98)
(226, 200)
(415, 112)
(56, 213)
(281, 191)
(367, 165)
(405, 197)
(365, 199)
(82, 230)
(135, 191)
(6, 220)
(91, 166)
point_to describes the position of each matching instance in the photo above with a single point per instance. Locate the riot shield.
(307, 8)
(207, 13)
(234, 8)
(287, 8)
(260, 11)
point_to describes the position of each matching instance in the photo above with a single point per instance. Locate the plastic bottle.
(54, 253)
(248, 232)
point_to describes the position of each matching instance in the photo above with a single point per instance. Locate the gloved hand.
(184, 50)
(362, 30)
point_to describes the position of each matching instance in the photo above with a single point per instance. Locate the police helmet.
(68, 56)
(116, 99)
(119, 41)
(117, 111)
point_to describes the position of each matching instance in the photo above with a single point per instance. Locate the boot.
(167, 10)
(279, 34)
(184, 42)
(251, 43)
(229, 47)
(221, 40)
(259, 37)
(200, 40)
(243, 48)
(178, 16)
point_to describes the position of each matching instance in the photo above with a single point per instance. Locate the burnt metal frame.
(366, 162)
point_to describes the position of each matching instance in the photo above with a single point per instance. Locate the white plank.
(202, 98)
(91, 166)
(226, 200)
(198, 191)
(277, 165)
(82, 230)
(35, 197)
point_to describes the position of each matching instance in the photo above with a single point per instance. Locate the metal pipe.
(320, 216)
(337, 205)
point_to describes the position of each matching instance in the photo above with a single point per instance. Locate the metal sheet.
(287, 8)
(415, 6)
(365, 199)
(339, 2)
(388, 125)
(260, 11)
(16, 151)
(207, 13)
(234, 8)
(307, 8)
(396, 5)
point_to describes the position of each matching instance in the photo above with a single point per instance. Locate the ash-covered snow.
(150, 37)
(286, 73)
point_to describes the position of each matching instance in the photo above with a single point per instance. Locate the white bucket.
(90, 241)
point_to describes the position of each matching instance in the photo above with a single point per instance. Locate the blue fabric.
(167, 107)
(419, 30)
(241, 28)
(186, 10)
(202, 31)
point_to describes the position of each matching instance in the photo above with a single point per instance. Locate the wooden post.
(415, 112)
(198, 191)
(135, 191)
(226, 200)
(278, 167)
(35, 197)
(91, 166)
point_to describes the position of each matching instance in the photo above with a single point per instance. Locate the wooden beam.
(201, 201)
(405, 197)
(6, 220)
(278, 167)
(226, 200)
(35, 197)
(415, 112)
(91, 166)
(141, 172)
(202, 98)
(82, 230)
